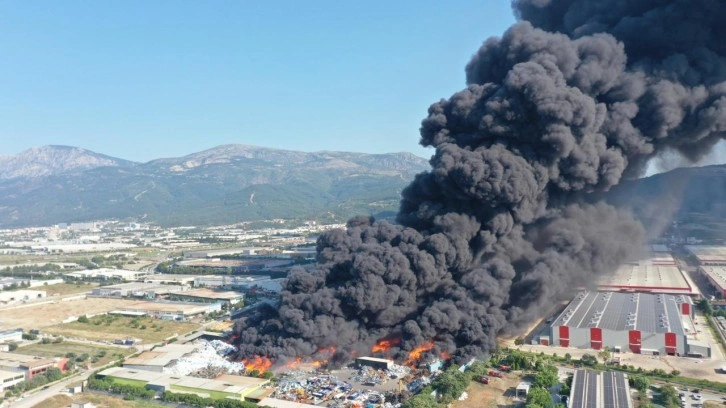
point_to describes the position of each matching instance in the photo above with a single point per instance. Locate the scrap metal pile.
(207, 361)
(359, 390)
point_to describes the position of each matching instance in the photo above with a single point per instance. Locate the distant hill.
(694, 198)
(226, 184)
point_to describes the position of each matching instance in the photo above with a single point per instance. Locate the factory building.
(136, 289)
(716, 276)
(159, 358)
(230, 386)
(708, 255)
(207, 296)
(30, 366)
(637, 322)
(239, 282)
(10, 378)
(12, 335)
(600, 390)
(167, 310)
(108, 273)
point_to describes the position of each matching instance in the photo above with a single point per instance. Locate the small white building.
(9, 378)
(10, 336)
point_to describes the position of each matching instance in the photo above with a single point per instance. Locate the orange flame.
(330, 350)
(293, 364)
(416, 353)
(384, 345)
(445, 355)
(259, 363)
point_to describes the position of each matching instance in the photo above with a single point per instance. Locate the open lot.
(53, 312)
(111, 327)
(105, 401)
(102, 354)
(67, 288)
(499, 393)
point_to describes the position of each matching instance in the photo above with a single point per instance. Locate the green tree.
(450, 384)
(668, 397)
(546, 377)
(83, 319)
(639, 382)
(605, 355)
(12, 346)
(539, 397)
(421, 401)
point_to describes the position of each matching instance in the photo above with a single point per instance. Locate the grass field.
(102, 354)
(67, 288)
(110, 327)
(105, 401)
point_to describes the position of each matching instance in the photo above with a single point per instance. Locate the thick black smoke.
(574, 98)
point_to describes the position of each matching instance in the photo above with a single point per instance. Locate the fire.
(259, 363)
(384, 345)
(326, 350)
(416, 353)
(445, 355)
(293, 364)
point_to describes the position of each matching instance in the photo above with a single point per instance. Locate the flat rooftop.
(134, 286)
(212, 294)
(17, 360)
(717, 274)
(650, 313)
(600, 390)
(708, 253)
(187, 307)
(657, 272)
(161, 356)
(225, 384)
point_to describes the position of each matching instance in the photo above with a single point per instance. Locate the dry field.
(39, 316)
(499, 393)
(118, 327)
(67, 288)
(105, 401)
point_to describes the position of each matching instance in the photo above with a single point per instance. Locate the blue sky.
(147, 79)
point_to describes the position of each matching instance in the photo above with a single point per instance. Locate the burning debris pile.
(572, 99)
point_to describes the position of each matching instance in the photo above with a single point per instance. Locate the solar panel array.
(592, 389)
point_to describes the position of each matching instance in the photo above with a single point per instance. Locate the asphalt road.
(34, 398)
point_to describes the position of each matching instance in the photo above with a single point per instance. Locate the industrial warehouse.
(600, 389)
(716, 276)
(708, 255)
(639, 322)
(657, 273)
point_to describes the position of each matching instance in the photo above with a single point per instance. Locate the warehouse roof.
(600, 389)
(652, 313)
(648, 277)
(717, 274)
(213, 294)
(708, 253)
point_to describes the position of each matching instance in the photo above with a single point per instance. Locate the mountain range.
(232, 183)
(226, 184)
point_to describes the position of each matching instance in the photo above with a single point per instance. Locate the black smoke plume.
(572, 99)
